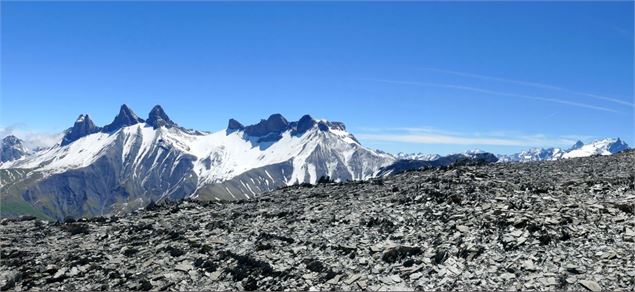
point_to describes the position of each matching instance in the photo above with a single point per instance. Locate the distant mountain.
(12, 148)
(470, 157)
(533, 154)
(131, 162)
(406, 161)
(417, 156)
(606, 146)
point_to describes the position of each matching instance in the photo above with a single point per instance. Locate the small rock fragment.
(590, 285)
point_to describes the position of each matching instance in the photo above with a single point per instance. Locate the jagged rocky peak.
(158, 118)
(417, 156)
(234, 125)
(11, 141)
(126, 117)
(12, 148)
(305, 123)
(617, 146)
(276, 123)
(575, 146)
(326, 125)
(83, 126)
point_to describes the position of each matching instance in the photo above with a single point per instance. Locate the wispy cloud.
(433, 135)
(547, 117)
(419, 130)
(486, 91)
(32, 139)
(492, 78)
(533, 84)
(469, 139)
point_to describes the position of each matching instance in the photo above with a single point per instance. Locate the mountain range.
(607, 146)
(409, 161)
(131, 162)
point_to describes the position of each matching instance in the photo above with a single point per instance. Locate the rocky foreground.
(566, 225)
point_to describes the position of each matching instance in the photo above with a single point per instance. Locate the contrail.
(463, 140)
(467, 88)
(533, 84)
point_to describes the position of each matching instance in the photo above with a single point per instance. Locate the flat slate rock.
(591, 285)
(553, 225)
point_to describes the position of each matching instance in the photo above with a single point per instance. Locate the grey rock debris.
(553, 225)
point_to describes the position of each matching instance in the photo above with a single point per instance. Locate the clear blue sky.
(430, 77)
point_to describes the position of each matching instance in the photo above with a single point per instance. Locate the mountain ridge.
(131, 162)
(603, 146)
(95, 171)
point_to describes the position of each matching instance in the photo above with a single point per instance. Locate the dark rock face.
(262, 179)
(133, 167)
(305, 123)
(126, 117)
(336, 125)
(12, 148)
(11, 141)
(575, 146)
(234, 125)
(83, 126)
(403, 165)
(276, 123)
(104, 187)
(558, 225)
(270, 130)
(158, 118)
(480, 158)
(618, 146)
(545, 154)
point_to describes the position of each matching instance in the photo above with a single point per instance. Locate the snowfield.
(218, 156)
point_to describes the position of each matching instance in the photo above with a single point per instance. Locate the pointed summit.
(12, 148)
(575, 146)
(276, 123)
(11, 140)
(158, 118)
(305, 123)
(617, 146)
(234, 125)
(126, 117)
(83, 126)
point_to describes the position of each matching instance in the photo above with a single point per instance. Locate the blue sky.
(414, 77)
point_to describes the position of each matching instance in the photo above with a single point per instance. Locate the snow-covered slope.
(533, 154)
(218, 156)
(126, 164)
(607, 146)
(418, 156)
